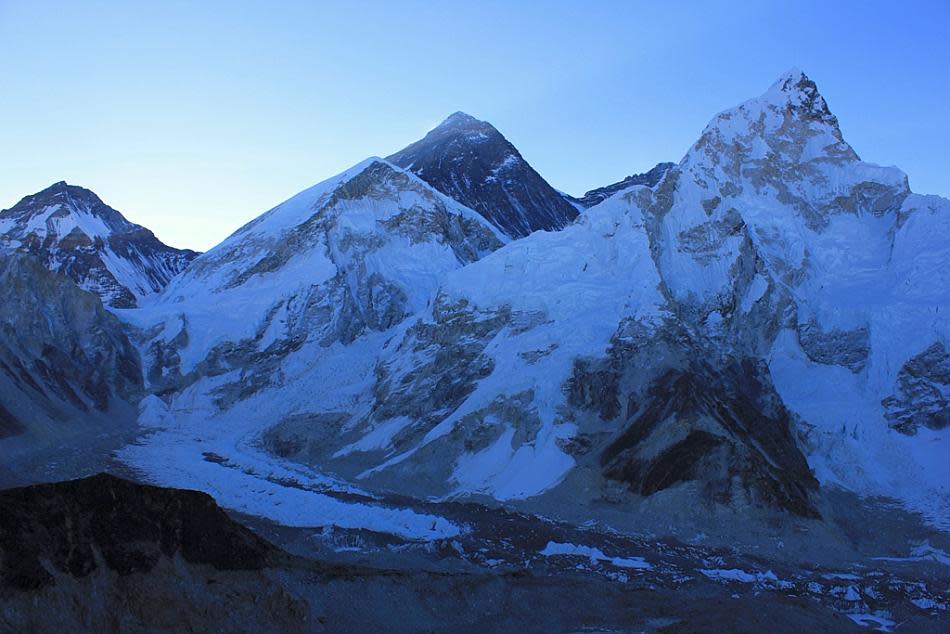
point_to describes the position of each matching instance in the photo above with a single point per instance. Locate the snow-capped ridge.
(596, 196)
(384, 326)
(301, 206)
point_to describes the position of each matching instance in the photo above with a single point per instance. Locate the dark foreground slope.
(103, 554)
(79, 526)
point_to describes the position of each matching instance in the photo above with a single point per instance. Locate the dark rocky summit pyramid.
(470, 161)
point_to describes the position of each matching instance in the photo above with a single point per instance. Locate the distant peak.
(463, 123)
(801, 95)
(460, 119)
(791, 77)
(457, 128)
(62, 187)
(794, 81)
(70, 198)
(56, 189)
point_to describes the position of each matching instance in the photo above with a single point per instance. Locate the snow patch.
(595, 555)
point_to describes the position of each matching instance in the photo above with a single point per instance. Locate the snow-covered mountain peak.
(354, 254)
(800, 94)
(791, 108)
(75, 233)
(793, 81)
(59, 210)
(786, 145)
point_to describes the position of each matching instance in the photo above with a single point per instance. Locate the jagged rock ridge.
(599, 195)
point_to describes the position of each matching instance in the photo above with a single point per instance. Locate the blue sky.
(194, 117)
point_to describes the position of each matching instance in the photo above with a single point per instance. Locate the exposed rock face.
(470, 161)
(648, 179)
(62, 355)
(923, 392)
(849, 348)
(76, 526)
(73, 232)
(453, 349)
(714, 426)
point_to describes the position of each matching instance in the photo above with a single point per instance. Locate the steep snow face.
(768, 177)
(470, 397)
(357, 253)
(470, 161)
(75, 233)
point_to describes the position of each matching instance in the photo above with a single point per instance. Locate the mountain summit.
(73, 232)
(801, 93)
(470, 161)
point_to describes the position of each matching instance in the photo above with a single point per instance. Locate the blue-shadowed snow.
(595, 555)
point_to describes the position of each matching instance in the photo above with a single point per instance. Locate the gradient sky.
(193, 117)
